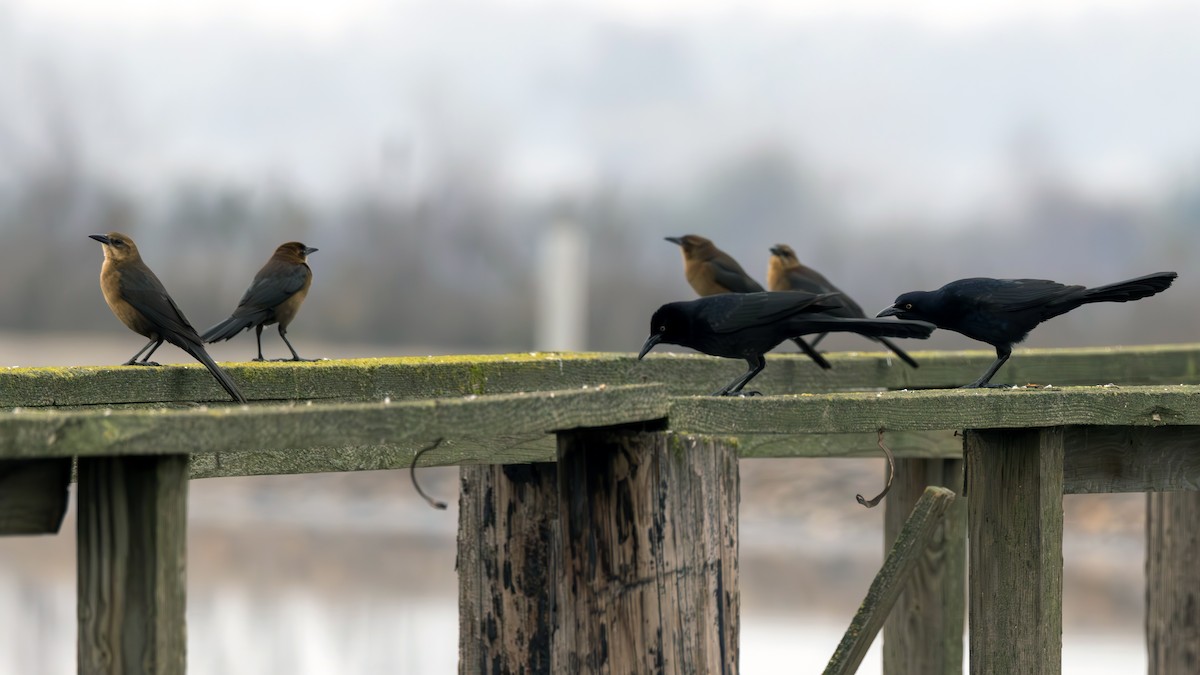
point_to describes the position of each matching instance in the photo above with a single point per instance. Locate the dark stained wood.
(132, 535)
(1014, 481)
(924, 631)
(33, 495)
(1173, 583)
(508, 566)
(1131, 459)
(912, 542)
(649, 526)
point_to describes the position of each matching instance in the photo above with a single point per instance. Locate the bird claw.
(976, 385)
(142, 363)
(298, 358)
(750, 393)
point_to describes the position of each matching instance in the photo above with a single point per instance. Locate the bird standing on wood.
(274, 296)
(711, 271)
(785, 273)
(140, 301)
(1001, 312)
(748, 325)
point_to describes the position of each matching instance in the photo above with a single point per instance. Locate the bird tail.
(227, 329)
(221, 376)
(877, 328)
(1132, 289)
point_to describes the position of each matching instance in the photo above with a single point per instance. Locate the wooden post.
(913, 542)
(649, 526)
(1014, 485)
(508, 565)
(33, 495)
(132, 535)
(620, 558)
(1173, 582)
(924, 632)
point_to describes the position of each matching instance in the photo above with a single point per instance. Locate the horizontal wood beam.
(33, 495)
(1128, 459)
(396, 425)
(938, 409)
(682, 374)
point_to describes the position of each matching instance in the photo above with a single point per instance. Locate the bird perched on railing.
(274, 296)
(748, 325)
(139, 300)
(711, 271)
(786, 273)
(1001, 312)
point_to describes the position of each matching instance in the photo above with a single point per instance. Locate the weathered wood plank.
(901, 562)
(509, 563)
(33, 495)
(35, 433)
(650, 539)
(132, 542)
(1124, 459)
(923, 634)
(1173, 583)
(1015, 519)
(683, 374)
(938, 409)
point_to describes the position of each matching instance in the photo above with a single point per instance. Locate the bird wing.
(145, 293)
(1016, 295)
(730, 275)
(737, 311)
(273, 284)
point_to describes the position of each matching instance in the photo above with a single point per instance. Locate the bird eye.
(662, 329)
(908, 305)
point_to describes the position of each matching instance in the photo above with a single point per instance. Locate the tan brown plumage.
(274, 296)
(711, 271)
(786, 273)
(139, 300)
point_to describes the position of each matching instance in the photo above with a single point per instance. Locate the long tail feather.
(221, 376)
(878, 328)
(1132, 289)
(227, 328)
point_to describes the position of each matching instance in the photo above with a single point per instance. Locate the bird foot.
(298, 358)
(258, 358)
(978, 385)
(142, 363)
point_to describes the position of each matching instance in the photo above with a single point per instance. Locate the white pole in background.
(561, 323)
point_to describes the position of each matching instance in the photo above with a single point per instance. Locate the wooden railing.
(598, 506)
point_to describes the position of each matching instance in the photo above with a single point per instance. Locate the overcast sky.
(912, 108)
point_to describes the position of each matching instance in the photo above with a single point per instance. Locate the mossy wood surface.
(470, 425)
(682, 374)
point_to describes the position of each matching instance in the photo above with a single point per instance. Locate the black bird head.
(909, 306)
(117, 247)
(669, 324)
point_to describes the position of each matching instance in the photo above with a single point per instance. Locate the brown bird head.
(118, 248)
(694, 246)
(294, 251)
(785, 255)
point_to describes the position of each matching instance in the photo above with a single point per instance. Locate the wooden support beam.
(924, 631)
(509, 563)
(902, 561)
(649, 528)
(33, 495)
(1014, 480)
(132, 535)
(1131, 459)
(1173, 583)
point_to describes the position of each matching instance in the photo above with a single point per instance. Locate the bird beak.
(102, 238)
(890, 311)
(775, 251)
(649, 344)
(675, 240)
(308, 250)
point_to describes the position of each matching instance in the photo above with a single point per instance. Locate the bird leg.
(1002, 354)
(756, 363)
(817, 340)
(295, 356)
(811, 353)
(258, 338)
(151, 345)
